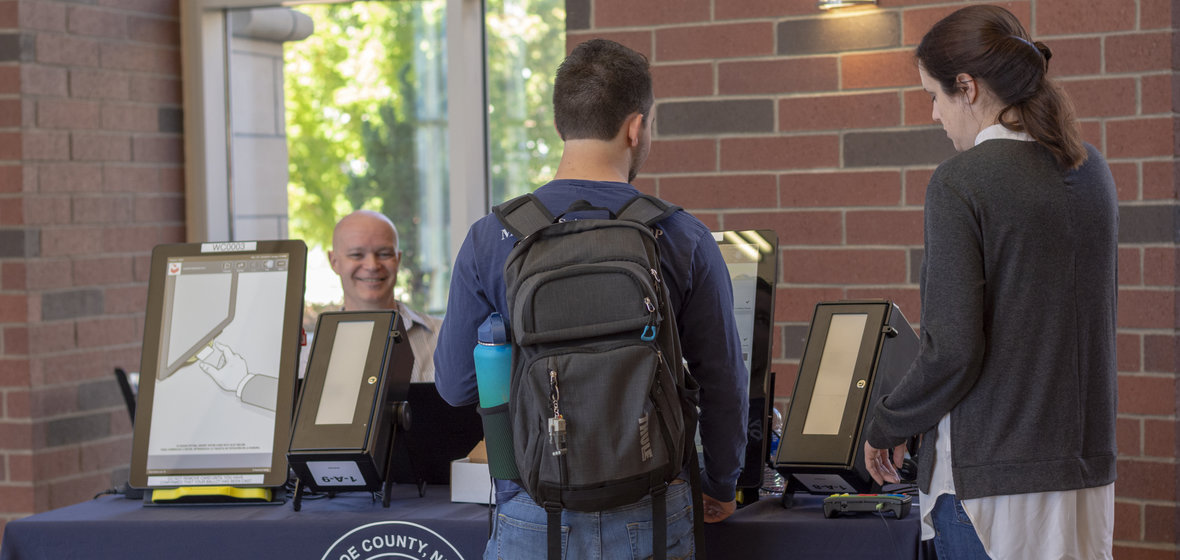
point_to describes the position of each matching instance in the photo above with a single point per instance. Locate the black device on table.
(898, 504)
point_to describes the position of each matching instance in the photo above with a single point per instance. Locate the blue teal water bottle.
(493, 371)
(493, 362)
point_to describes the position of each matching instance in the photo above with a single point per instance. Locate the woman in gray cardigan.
(1014, 386)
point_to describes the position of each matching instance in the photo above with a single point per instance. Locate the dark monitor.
(218, 368)
(752, 259)
(856, 351)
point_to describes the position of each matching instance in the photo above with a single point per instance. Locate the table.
(351, 526)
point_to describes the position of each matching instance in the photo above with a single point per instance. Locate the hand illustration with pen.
(229, 370)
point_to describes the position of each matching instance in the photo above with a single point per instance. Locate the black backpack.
(603, 412)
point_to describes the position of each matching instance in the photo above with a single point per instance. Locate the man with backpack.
(603, 111)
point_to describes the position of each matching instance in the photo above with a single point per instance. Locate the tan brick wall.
(771, 114)
(90, 181)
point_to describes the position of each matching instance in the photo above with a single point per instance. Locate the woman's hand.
(877, 462)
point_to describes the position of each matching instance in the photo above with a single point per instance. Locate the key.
(557, 435)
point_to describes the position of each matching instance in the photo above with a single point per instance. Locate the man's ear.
(634, 125)
(332, 261)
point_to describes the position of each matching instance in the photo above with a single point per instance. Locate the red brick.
(103, 270)
(66, 50)
(44, 145)
(1129, 435)
(131, 239)
(14, 372)
(844, 266)
(56, 463)
(10, 79)
(141, 58)
(1159, 438)
(1126, 179)
(12, 212)
(55, 113)
(1157, 94)
(1075, 57)
(916, 181)
(13, 308)
(43, 80)
(628, 13)
(717, 41)
(168, 208)
(49, 274)
(682, 80)
(1092, 132)
(135, 118)
(127, 178)
(793, 227)
(143, 264)
(1107, 97)
(75, 366)
(16, 498)
(721, 191)
(51, 402)
(640, 41)
(1158, 177)
(1155, 14)
(779, 76)
(1129, 352)
(155, 89)
(1139, 52)
(1130, 266)
(57, 336)
(1145, 480)
(73, 490)
(96, 22)
(10, 113)
(99, 84)
(157, 149)
(1159, 266)
(1128, 521)
(1159, 523)
(1131, 553)
(797, 305)
(1146, 309)
(1139, 138)
(153, 30)
(15, 435)
(48, 210)
(840, 112)
(884, 227)
(780, 152)
(710, 219)
(70, 178)
(784, 382)
(103, 209)
(10, 145)
(13, 276)
(879, 70)
(918, 108)
(106, 454)
(125, 300)
(43, 16)
(110, 331)
(1159, 353)
(840, 188)
(62, 242)
(16, 341)
(750, 9)
(1065, 17)
(918, 21)
(1142, 394)
(101, 146)
(152, 7)
(11, 177)
(9, 20)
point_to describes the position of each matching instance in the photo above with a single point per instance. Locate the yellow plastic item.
(207, 494)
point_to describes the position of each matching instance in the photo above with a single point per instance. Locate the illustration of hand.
(230, 375)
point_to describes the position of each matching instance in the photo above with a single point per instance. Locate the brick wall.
(771, 114)
(90, 181)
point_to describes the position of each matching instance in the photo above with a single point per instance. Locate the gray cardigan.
(1019, 290)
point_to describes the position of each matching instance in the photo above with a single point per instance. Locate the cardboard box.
(471, 482)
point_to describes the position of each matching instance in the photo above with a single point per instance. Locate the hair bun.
(1045, 52)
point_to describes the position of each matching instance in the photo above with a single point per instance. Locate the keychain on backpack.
(557, 422)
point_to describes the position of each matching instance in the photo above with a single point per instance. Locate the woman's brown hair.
(991, 45)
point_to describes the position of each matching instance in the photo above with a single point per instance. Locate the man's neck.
(364, 306)
(593, 160)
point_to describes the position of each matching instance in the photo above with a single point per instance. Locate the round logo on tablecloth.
(392, 539)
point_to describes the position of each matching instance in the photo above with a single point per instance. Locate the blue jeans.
(954, 535)
(619, 533)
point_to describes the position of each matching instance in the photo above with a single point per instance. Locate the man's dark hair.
(597, 86)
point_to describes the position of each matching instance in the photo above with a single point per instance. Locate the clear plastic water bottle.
(772, 481)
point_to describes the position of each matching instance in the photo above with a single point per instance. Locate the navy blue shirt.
(700, 292)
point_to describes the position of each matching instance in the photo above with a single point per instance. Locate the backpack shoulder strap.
(647, 210)
(523, 215)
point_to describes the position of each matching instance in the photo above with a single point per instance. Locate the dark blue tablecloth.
(351, 526)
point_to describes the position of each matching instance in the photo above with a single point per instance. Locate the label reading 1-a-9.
(336, 473)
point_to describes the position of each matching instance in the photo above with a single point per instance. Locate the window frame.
(207, 160)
